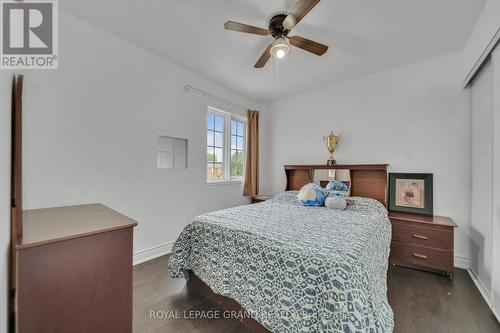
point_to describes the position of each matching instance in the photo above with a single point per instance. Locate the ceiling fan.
(280, 26)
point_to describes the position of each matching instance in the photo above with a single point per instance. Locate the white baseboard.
(495, 313)
(461, 262)
(480, 287)
(484, 293)
(152, 253)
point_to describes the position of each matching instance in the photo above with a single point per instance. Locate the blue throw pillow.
(335, 185)
(311, 195)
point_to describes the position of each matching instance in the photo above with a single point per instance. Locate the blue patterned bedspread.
(295, 268)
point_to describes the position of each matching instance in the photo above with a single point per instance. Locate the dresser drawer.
(418, 234)
(416, 256)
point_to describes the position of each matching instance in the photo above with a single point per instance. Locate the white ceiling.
(364, 36)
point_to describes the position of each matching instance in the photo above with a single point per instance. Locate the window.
(225, 146)
(237, 148)
(172, 152)
(215, 146)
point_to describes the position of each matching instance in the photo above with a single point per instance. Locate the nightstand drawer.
(439, 238)
(260, 198)
(415, 256)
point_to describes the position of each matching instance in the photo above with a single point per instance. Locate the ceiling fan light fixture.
(280, 48)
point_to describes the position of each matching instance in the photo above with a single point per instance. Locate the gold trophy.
(331, 143)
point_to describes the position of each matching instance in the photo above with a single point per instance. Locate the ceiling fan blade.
(298, 11)
(249, 29)
(264, 58)
(308, 45)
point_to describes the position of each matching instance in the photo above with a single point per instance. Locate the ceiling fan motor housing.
(276, 26)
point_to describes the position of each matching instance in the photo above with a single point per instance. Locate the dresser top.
(427, 219)
(49, 225)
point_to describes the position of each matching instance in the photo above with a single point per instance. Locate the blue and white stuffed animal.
(311, 195)
(335, 185)
(335, 202)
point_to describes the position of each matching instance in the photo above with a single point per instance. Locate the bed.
(294, 268)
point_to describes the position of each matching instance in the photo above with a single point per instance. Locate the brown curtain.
(16, 223)
(251, 186)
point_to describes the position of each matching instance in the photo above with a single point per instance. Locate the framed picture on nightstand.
(411, 193)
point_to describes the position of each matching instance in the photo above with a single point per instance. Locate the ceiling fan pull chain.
(276, 66)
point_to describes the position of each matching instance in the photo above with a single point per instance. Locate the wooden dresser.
(74, 271)
(422, 242)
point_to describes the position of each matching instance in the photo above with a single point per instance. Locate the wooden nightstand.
(260, 198)
(422, 242)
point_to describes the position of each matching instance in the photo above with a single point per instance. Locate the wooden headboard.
(367, 180)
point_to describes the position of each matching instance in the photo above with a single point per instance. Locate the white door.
(495, 294)
(481, 231)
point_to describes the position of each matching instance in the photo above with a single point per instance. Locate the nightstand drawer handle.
(419, 236)
(421, 256)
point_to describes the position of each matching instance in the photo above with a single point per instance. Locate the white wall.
(91, 127)
(481, 231)
(488, 24)
(416, 118)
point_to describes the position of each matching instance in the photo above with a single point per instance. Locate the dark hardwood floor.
(422, 302)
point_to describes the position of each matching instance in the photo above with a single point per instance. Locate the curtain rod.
(188, 88)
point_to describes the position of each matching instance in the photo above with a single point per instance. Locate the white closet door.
(481, 231)
(495, 294)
